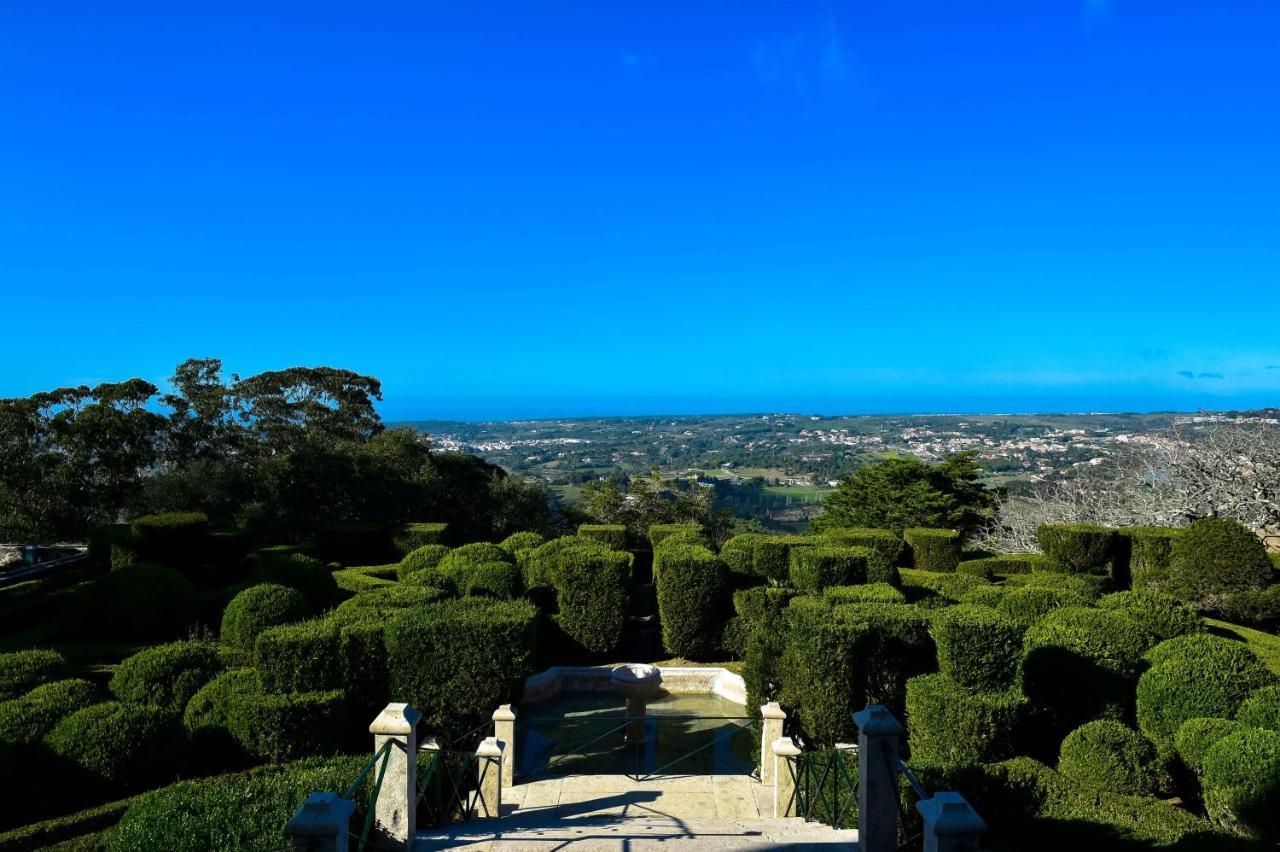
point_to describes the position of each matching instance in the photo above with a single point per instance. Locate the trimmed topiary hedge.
(300, 657)
(992, 567)
(173, 539)
(978, 648)
(932, 588)
(308, 575)
(738, 554)
(593, 592)
(660, 532)
(257, 608)
(1078, 548)
(207, 719)
(25, 720)
(166, 676)
(362, 656)
(489, 579)
(420, 559)
(1261, 709)
(753, 606)
(1108, 756)
(949, 725)
(693, 592)
(142, 601)
(987, 596)
(1026, 606)
(933, 549)
(409, 537)
(886, 542)
(22, 671)
(458, 659)
(1215, 558)
(518, 544)
(382, 604)
(613, 536)
(1192, 676)
(538, 565)
(771, 555)
(116, 748)
(815, 568)
(459, 559)
(1196, 736)
(1242, 783)
(1161, 616)
(1150, 555)
(1086, 586)
(866, 593)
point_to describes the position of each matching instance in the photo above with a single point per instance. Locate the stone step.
(637, 833)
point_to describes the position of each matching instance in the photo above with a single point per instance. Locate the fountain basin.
(636, 681)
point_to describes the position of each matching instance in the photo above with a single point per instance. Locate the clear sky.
(526, 209)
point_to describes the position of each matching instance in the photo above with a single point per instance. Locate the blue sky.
(516, 209)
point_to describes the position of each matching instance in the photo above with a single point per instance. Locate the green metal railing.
(825, 786)
(380, 759)
(910, 831)
(449, 788)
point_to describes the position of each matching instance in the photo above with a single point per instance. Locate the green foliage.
(660, 532)
(896, 493)
(456, 561)
(409, 537)
(991, 567)
(1196, 736)
(166, 676)
(1085, 586)
(355, 542)
(1214, 558)
(382, 604)
(887, 542)
(81, 831)
(613, 536)
(738, 554)
(208, 718)
(1108, 756)
(489, 579)
(230, 813)
(257, 608)
(1195, 675)
(518, 544)
(173, 539)
(1242, 783)
(815, 568)
(24, 721)
(753, 606)
(931, 588)
(1253, 606)
(1261, 709)
(978, 648)
(538, 565)
(142, 601)
(593, 591)
(1078, 548)
(1159, 615)
(22, 671)
(365, 578)
(770, 555)
(118, 748)
(989, 596)
(933, 549)
(301, 657)
(458, 659)
(1026, 606)
(1150, 555)
(693, 592)
(866, 593)
(308, 575)
(362, 656)
(948, 725)
(420, 559)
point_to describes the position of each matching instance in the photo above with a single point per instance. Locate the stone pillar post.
(489, 779)
(504, 729)
(321, 824)
(950, 824)
(878, 736)
(771, 730)
(785, 753)
(395, 812)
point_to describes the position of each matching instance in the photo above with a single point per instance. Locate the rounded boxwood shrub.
(166, 676)
(1187, 679)
(866, 593)
(257, 608)
(420, 559)
(933, 550)
(1161, 616)
(458, 659)
(490, 579)
(660, 532)
(174, 539)
(24, 721)
(693, 593)
(593, 592)
(1078, 548)
(1108, 756)
(307, 574)
(815, 568)
(207, 718)
(978, 648)
(456, 561)
(948, 725)
(117, 747)
(142, 601)
(409, 537)
(521, 542)
(887, 542)
(1261, 709)
(738, 554)
(1150, 555)
(381, 604)
(538, 565)
(613, 536)
(1253, 606)
(300, 657)
(1242, 783)
(1214, 558)
(1196, 736)
(22, 671)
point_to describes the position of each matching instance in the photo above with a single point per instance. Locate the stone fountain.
(638, 683)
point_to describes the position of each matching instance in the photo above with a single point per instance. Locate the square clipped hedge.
(815, 568)
(659, 532)
(613, 536)
(934, 550)
(409, 537)
(301, 657)
(693, 597)
(886, 541)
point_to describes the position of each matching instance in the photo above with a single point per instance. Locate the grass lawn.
(1265, 645)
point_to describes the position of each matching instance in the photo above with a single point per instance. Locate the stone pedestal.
(488, 803)
(785, 753)
(321, 824)
(395, 814)
(950, 824)
(772, 716)
(878, 739)
(635, 721)
(504, 730)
